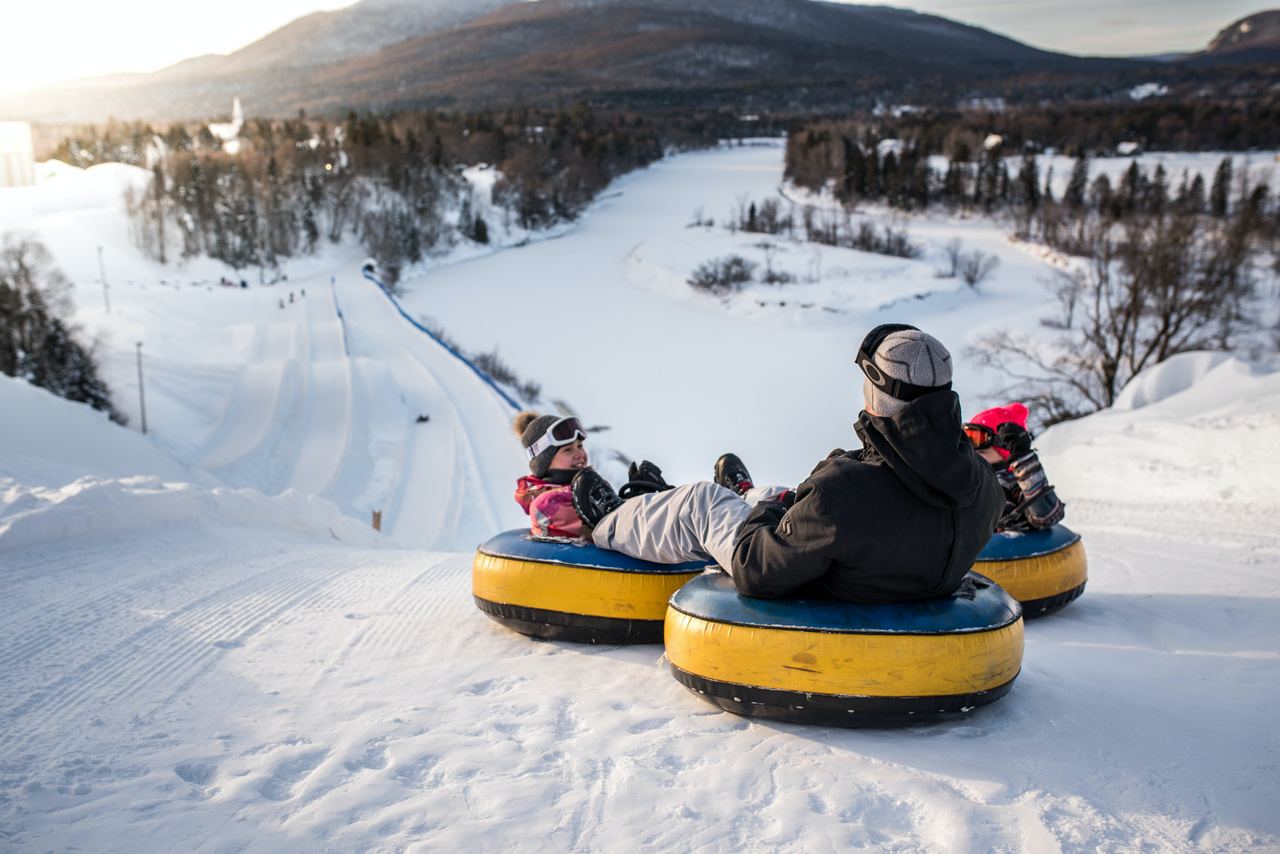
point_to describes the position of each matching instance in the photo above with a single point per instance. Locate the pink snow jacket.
(550, 508)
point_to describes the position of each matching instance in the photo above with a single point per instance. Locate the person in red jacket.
(556, 454)
(1000, 436)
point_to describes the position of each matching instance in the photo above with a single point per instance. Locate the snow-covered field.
(204, 646)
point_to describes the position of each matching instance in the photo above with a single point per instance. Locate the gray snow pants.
(697, 521)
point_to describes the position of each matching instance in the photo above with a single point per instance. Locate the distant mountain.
(1255, 38)
(326, 37)
(750, 54)
(684, 51)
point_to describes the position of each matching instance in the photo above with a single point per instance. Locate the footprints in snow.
(284, 780)
(196, 773)
(375, 757)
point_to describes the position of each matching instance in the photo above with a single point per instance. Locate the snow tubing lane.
(816, 661)
(571, 590)
(1044, 570)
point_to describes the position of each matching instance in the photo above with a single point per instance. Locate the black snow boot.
(732, 474)
(593, 497)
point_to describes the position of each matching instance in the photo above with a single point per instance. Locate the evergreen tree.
(1131, 187)
(1078, 185)
(35, 343)
(1157, 192)
(1029, 184)
(1195, 196)
(1220, 193)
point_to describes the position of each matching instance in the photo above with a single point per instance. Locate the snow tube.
(818, 661)
(571, 590)
(1044, 570)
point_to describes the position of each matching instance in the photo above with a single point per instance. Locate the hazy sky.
(80, 38)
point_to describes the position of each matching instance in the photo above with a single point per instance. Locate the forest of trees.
(392, 181)
(1165, 263)
(36, 342)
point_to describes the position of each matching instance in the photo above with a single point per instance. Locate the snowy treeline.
(1238, 122)
(1152, 264)
(393, 182)
(37, 344)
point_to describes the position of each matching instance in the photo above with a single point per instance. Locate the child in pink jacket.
(554, 446)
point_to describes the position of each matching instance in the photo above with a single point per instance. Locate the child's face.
(571, 456)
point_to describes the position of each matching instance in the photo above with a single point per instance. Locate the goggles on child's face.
(559, 434)
(980, 435)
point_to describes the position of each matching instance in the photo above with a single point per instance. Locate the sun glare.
(40, 45)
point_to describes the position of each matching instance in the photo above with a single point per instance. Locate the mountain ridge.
(795, 55)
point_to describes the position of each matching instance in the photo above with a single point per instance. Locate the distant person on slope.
(902, 519)
(1000, 436)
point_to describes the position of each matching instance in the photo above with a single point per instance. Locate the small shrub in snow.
(953, 253)
(721, 276)
(493, 365)
(976, 267)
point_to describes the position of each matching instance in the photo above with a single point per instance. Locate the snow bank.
(66, 470)
(95, 506)
(1200, 430)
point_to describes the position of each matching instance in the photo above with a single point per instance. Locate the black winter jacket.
(900, 520)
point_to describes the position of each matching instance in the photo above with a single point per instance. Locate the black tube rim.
(835, 709)
(576, 628)
(1033, 608)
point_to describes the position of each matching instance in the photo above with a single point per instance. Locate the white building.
(17, 155)
(229, 132)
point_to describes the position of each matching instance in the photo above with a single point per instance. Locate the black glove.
(642, 478)
(1013, 438)
(648, 472)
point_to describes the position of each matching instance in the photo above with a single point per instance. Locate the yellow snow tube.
(840, 663)
(571, 590)
(1044, 570)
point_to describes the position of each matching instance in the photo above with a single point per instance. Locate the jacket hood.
(925, 447)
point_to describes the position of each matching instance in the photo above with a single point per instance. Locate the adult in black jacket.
(900, 520)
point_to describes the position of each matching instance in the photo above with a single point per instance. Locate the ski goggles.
(559, 434)
(980, 435)
(895, 388)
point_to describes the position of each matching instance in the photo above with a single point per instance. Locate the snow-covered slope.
(203, 646)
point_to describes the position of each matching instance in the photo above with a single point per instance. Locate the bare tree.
(1158, 287)
(976, 267)
(952, 251)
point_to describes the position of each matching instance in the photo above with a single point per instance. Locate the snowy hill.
(204, 646)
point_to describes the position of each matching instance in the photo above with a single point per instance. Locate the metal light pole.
(102, 273)
(142, 396)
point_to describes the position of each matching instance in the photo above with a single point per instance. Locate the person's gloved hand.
(1013, 438)
(649, 473)
(643, 478)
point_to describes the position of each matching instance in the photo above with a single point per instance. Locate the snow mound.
(1201, 430)
(50, 442)
(1172, 376)
(66, 470)
(94, 506)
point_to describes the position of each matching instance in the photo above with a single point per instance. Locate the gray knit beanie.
(531, 426)
(909, 355)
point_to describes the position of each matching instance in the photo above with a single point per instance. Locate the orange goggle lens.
(980, 435)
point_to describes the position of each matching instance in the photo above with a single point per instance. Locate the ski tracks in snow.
(262, 690)
(305, 414)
